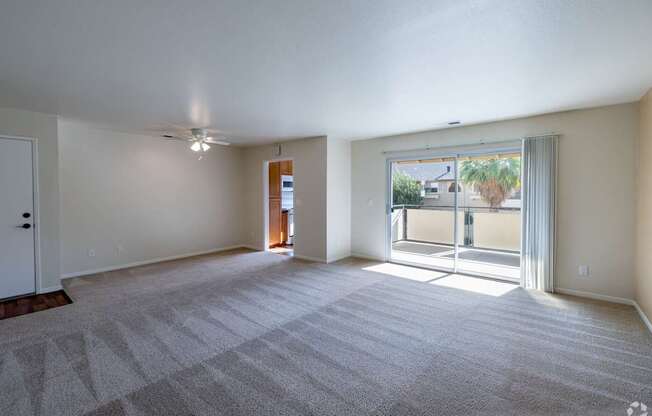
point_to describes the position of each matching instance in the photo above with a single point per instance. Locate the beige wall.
(339, 199)
(596, 190)
(44, 128)
(310, 194)
(436, 226)
(494, 230)
(644, 208)
(133, 198)
(499, 230)
(102, 170)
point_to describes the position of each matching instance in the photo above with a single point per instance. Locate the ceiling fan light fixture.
(198, 140)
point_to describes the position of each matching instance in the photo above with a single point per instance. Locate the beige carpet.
(257, 333)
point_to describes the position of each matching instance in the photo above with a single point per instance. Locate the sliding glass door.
(423, 214)
(457, 213)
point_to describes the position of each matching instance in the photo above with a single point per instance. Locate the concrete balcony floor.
(491, 263)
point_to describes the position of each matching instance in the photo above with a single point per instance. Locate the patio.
(490, 263)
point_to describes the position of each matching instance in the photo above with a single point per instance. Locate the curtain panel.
(538, 206)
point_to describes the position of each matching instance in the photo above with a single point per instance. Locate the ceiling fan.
(199, 140)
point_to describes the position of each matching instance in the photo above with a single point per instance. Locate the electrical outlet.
(119, 249)
(91, 252)
(583, 271)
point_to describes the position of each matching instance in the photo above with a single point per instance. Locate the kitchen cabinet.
(275, 180)
(274, 222)
(286, 167)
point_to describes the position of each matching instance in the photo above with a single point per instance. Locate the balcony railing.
(484, 228)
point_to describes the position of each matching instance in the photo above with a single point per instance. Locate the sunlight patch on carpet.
(406, 272)
(475, 285)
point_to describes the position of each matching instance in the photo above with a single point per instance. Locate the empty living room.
(325, 207)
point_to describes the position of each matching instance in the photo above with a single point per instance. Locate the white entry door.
(17, 270)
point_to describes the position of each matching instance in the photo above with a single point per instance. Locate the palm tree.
(494, 179)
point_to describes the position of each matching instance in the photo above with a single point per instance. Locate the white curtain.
(539, 177)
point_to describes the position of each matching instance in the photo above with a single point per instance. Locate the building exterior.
(437, 181)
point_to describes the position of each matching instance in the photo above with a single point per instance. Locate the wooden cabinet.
(286, 167)
(274, 222)
(275, 180)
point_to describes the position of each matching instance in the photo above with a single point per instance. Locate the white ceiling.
(269, 70)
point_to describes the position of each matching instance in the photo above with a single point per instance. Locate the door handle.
(26, 226)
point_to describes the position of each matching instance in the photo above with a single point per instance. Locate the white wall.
(310, 194)
(339, 199)
(596, 190)
(44, 128)
(644, 208)
(153, 198)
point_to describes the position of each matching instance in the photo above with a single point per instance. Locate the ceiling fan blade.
(171, 137)
(213, 141)
(215, 132)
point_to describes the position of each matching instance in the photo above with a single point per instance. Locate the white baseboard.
(308, 258)
(151, 261)
(49, 289)
(250, 247)
(607, 298)
(591, 295)
(367, 257)
(644, 317)
(338, 258)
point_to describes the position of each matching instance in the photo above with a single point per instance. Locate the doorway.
(280, 195)
(458, 213)
(18, 266)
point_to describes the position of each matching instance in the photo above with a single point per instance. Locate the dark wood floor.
(34, 303)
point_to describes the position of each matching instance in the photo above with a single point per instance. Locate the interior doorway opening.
(459, 213)
(280, 207)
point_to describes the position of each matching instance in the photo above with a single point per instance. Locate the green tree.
(494, 179)
(405, 190)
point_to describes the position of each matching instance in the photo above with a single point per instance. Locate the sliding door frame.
(448, 152)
